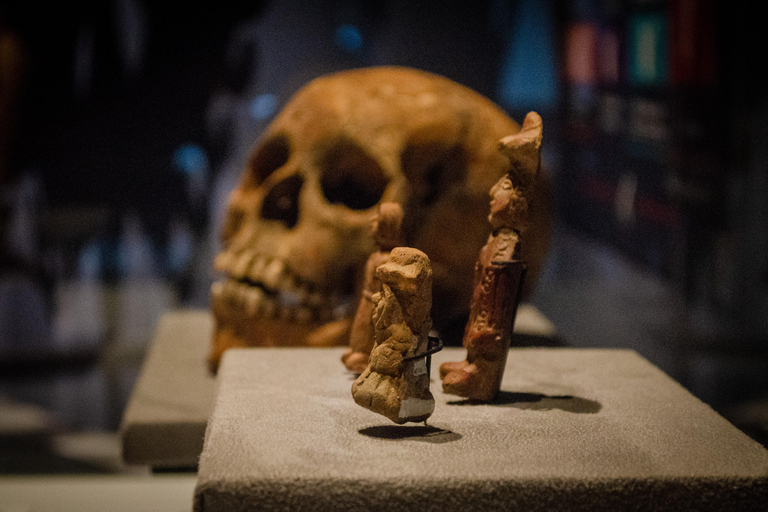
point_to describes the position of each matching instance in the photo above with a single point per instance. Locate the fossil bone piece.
(498, 274)
(392, 385)
(387, 233)
(296, 234)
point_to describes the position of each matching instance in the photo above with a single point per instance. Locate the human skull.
(297, 231)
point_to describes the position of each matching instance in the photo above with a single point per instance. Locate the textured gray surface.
(574, 429)
(96, 493)
(164, 422)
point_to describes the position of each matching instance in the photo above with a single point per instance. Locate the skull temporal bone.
(297, 229)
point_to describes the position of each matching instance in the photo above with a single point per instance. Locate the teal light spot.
(191, 159)
(349, 38)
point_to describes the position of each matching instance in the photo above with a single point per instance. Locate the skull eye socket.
(349, 176)
(282, 201)
(269, 157)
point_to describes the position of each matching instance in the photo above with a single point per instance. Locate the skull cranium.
(297, 229)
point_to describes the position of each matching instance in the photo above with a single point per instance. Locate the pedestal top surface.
(165, 420)
(287, 415)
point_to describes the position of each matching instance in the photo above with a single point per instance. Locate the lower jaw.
(272, 332)
(231, 331)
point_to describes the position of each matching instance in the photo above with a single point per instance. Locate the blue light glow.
(528, 78)
(191, 159)
(263, 106)
(349, 38)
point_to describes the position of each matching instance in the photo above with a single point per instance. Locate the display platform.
(96, 493)
(573, 429)
(164, 422)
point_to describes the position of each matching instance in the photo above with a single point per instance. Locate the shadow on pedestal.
(539, 402)
(424, 433)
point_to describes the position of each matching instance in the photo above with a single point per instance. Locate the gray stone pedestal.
(573, 429)
(164, 422)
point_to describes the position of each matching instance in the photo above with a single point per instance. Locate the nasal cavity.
(282, 202)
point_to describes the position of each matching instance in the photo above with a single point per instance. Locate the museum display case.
(637, 372)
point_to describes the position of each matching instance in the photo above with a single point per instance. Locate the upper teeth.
(284, 295)
(273, 274)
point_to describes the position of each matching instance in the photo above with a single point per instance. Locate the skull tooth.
(239, 295)
(241, 264)
(254, 301)
(222, 261)
(243, 295)
(227, 295)
(308, 295)
(216, 290)
(229, 289)
(257, 267)
(273, 274)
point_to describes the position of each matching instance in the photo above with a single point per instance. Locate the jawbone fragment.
(260, 302)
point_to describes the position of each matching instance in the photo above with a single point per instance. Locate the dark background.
(124, 124)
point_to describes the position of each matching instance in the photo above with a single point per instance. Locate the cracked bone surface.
(296, 234)
(387, 231)
(390, 385)
(498, 274)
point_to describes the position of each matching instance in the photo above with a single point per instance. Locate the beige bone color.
(391, 386)
(296, 236)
